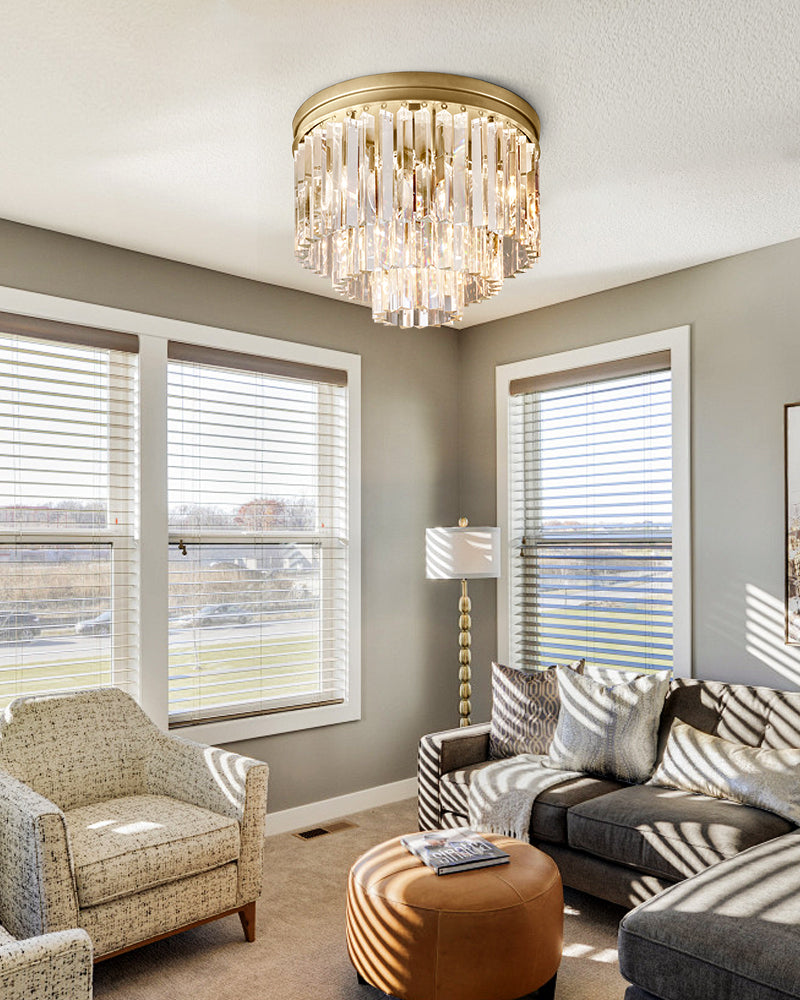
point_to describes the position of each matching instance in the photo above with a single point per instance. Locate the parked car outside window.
(99, 625)
(19, 626)
(218, 614)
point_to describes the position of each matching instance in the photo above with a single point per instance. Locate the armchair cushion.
(126, 845)
(219, 780)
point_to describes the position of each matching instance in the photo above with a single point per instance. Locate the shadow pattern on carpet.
(300, 952)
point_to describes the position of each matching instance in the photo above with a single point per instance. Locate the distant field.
(199, 672)
(50, 676)
(608, 638)
(200, 678)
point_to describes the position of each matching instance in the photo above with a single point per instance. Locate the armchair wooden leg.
(247, 915)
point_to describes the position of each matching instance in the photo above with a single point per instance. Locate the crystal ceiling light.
(416, 193)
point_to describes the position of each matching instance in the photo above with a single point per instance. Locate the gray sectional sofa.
(715, 884)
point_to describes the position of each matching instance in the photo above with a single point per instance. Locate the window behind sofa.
(590, 509)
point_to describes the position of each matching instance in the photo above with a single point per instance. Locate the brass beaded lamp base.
(464, 657)
(463, 553)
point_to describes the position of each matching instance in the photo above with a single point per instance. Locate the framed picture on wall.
(791, 429)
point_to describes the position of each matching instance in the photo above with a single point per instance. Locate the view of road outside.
(250, 473)
(241, 627)
(244, 623)
(257, 510)
(612, 602)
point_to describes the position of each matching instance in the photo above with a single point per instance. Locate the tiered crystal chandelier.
(416, 193)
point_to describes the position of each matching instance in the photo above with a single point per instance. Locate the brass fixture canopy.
(416, 193)
(393, 90)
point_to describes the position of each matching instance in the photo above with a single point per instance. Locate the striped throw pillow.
(525, 706)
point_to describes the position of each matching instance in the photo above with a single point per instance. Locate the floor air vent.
(321, 831)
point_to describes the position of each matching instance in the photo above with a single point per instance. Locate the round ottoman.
(487, 934)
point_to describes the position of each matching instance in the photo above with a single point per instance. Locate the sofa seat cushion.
(735, 928)
(5, 937)
(551, 808)
(126, 845)
(549, 817)
(668, 832)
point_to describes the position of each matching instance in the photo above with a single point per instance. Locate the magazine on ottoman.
(457, 850)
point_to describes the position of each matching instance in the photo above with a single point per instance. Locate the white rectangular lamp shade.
(462, 553)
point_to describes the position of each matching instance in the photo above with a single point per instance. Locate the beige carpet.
(299, 952)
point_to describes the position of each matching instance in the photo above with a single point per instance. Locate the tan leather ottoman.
(488, 934)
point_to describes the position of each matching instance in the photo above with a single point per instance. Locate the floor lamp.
(463, 553)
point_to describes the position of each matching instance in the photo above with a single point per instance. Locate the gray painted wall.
(744, 312)
(409, 477)
(428, 455)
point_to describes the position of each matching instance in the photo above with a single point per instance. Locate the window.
(246, 458)
(590, 503)
(259, 534)
(68, 552)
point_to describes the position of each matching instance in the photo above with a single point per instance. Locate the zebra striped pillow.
(525, 705)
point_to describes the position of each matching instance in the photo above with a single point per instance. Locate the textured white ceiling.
(670, 128)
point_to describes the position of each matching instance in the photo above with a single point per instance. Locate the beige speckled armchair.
(51, 967)
(108, 824)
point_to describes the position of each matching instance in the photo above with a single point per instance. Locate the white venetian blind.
(68, 473)
(591, 509)
(258, 513)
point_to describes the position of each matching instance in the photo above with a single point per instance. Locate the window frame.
(677, 341)
(154, 332)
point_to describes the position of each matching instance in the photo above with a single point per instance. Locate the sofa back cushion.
(754, 716)
(76, 748)
(755, 776)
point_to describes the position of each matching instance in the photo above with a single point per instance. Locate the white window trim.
(677, 341)
(154, 332)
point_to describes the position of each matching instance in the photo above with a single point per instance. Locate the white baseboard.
(316, 813)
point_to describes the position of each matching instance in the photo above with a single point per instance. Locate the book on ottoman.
(456, 850)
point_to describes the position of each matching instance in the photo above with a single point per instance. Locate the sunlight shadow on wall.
(764, 634)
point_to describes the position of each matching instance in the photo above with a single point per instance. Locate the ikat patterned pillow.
(525, 705)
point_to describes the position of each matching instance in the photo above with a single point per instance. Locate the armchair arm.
(223, 782)
(440, 753)
(37, 885)
(52, 965)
